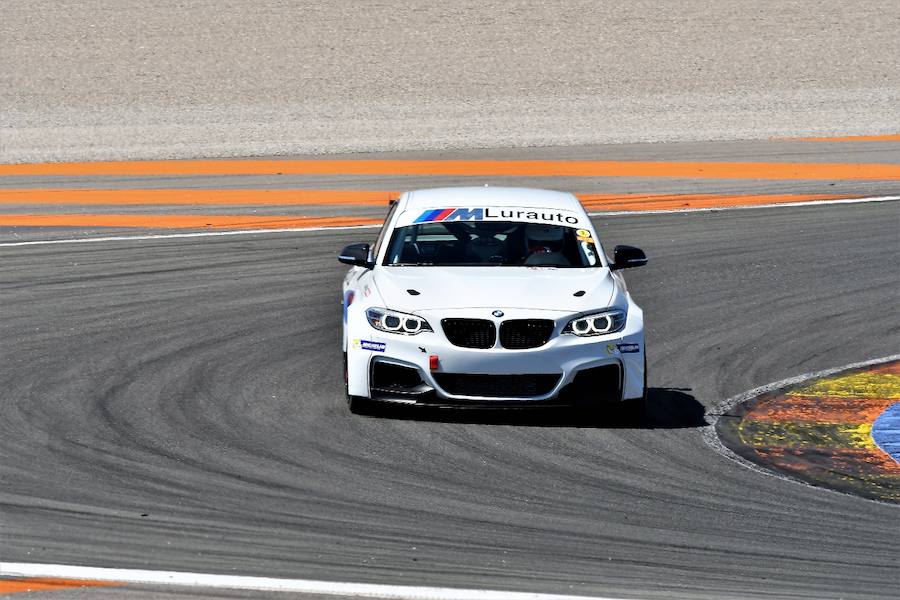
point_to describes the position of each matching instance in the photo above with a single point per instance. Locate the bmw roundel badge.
(497, 313)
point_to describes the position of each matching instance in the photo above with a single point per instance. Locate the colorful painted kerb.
(821, 431)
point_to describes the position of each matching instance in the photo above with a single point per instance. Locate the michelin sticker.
(489, 214)
(369, 345)
(622, 348)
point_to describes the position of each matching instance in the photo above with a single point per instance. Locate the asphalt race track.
(175, 404)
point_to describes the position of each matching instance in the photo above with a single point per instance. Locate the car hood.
(534, 288)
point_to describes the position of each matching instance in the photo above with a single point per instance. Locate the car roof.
(465, 197)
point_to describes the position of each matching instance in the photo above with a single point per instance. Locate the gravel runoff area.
(108, 79)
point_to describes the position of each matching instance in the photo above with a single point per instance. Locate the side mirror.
(356, 255)
(626, 257)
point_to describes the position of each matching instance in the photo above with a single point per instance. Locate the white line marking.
(201, 234)
(305, 586)
(770, 387)
(712, 438)
(613, 213)
(198, 234)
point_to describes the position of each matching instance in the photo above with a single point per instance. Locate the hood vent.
(412, 292)
(579, 294)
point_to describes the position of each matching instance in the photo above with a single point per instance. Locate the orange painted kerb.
(187, 197)
(822, 410)
(260, 197)
(636, 202)
(471, 168)
(181, 221)
(35, 584)
(893, 137)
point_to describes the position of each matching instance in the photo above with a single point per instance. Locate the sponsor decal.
(584, 235)
(367, 291)
(622, 348)
(489, 214)
(370, 345)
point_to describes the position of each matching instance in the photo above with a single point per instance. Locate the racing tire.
(632, 411)
(358, 405)
(628, 412)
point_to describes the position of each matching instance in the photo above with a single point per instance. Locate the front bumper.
(590, 385)
(566, 370)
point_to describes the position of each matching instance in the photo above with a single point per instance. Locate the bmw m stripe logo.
(451, 214)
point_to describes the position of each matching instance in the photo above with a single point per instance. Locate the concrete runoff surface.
(174, 404)
(130, 79)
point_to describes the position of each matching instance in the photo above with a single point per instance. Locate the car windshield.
(491, 243)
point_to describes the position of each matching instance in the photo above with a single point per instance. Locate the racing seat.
(547, 258)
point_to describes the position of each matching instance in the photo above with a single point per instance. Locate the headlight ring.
(391, 321)
(600, 323)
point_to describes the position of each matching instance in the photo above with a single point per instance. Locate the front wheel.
(357, 404)
(632, 411)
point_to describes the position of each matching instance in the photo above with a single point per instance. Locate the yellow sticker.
(583, 233)
(586, 239)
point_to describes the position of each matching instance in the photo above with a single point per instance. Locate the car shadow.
(667, 408)
(673, 408)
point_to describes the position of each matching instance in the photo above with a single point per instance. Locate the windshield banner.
(497, 214)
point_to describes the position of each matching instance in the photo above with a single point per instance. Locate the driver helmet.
(544, 238)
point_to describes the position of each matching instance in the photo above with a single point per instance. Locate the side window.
(384, 229)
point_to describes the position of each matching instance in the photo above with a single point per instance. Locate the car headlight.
(601, 323)
(396, 322)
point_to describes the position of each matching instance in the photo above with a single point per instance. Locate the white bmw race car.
(483, 296)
